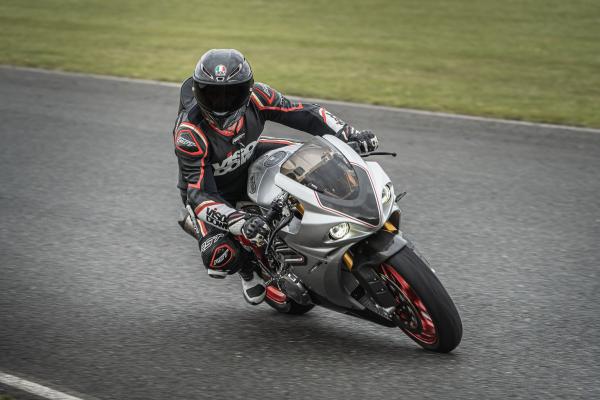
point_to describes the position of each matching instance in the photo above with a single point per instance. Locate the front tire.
(425, 311)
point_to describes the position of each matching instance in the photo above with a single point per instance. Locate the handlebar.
(356, 147)
(276, 207)
(271, 215)
(379, 153)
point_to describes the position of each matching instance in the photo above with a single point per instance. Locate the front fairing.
(308, 231)
(342, 185)
(310, 234)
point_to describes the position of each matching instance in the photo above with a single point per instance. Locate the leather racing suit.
(213, 163)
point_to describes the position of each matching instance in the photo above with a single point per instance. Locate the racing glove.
(252, 227)
(361, 141)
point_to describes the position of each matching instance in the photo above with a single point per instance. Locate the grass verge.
(535, 60)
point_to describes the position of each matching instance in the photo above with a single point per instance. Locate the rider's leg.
(253, 286)
(222, 255)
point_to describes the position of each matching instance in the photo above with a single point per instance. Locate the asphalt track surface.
(103, 295)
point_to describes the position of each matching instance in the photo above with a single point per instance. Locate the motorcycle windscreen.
(321, 167)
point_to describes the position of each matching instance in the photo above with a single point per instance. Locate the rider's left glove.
(251, 226)
(361, 141)
(366, 140)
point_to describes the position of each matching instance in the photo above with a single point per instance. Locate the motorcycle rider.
(217, 135)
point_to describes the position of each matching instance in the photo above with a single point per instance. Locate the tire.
(409, 277)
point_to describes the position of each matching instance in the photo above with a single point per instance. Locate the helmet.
(223, 83)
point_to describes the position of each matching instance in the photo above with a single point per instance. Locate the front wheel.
(424, 311)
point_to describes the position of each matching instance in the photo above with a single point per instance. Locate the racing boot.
(253, 286)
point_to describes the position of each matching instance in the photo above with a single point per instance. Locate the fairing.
(309, 235)
(339, 185)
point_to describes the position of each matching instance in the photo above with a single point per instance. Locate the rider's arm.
(191, 148)
(311, 118)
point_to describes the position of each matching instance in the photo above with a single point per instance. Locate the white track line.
(34, 388)
(95, 76)
(334, 102)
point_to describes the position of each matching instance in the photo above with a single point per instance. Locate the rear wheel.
(279, 301)
(424, 311)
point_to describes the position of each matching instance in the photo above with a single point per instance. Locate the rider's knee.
(221, 255)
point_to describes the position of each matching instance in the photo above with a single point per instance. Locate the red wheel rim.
(425, 331)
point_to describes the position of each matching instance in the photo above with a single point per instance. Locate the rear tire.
(406, 272)
(289, 307)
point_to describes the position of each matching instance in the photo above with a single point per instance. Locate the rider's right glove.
(250, 226)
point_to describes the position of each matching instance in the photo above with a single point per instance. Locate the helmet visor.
(222, 98)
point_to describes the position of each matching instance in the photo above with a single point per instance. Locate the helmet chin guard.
(223, 121)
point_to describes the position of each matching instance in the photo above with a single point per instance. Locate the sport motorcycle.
(336, 242)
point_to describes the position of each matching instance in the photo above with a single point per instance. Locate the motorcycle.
(336, 242)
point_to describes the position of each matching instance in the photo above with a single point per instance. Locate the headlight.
(386, 193)
(339, 231)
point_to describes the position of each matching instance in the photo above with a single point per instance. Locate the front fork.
(366, 258)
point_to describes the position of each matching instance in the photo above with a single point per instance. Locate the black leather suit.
(213, 163)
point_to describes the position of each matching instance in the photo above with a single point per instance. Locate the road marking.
(438, 114)
(441, 114)
(95, 76)
(34, 388)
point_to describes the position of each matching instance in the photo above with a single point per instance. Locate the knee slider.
(220, 255)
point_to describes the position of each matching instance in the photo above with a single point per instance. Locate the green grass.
(536, 60)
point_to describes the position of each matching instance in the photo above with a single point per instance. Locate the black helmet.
(222, 86)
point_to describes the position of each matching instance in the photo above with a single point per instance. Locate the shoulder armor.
(267, 98)
(190, 140)
(266, 95)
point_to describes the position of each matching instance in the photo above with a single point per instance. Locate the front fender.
(368, 255)
(377, 248)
